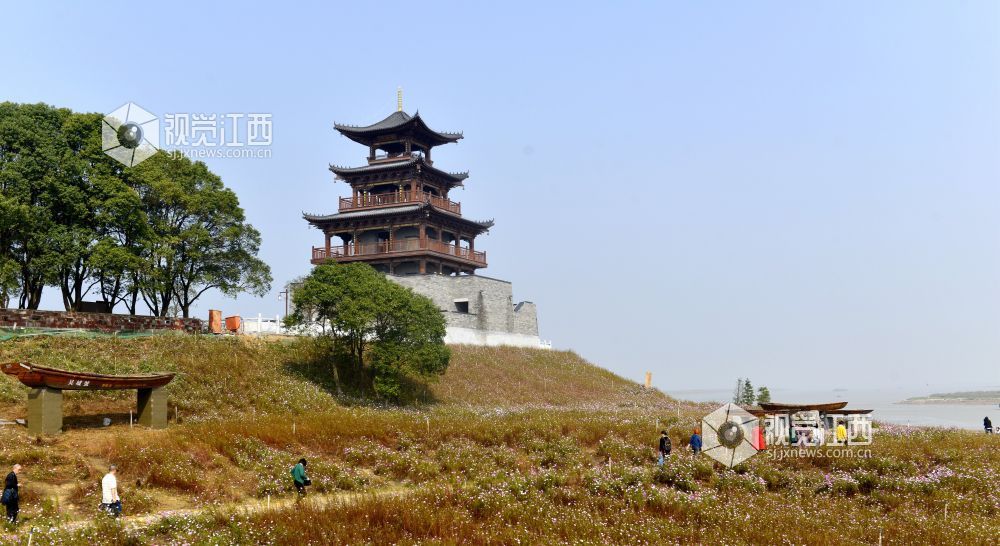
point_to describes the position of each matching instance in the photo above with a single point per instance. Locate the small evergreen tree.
(763, 395)
(748, 393)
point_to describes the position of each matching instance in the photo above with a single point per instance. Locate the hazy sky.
(805, 193)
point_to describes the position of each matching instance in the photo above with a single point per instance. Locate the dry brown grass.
(512, 376)
(221, 377)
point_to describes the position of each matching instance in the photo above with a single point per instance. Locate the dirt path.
(250, 507)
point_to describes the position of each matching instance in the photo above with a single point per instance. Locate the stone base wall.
(467, 336)
(478, 310)
(28, 318)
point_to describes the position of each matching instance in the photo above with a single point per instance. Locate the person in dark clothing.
(10, 494)
(664, 446)
(988, 425)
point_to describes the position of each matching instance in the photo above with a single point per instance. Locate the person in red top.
(758, 441)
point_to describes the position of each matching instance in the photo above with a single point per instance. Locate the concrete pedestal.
(45, 411)
(152, 407)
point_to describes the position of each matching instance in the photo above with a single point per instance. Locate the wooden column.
(423, 267)
(328, 245)
(354, 243)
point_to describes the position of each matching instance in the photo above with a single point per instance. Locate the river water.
(885, 402)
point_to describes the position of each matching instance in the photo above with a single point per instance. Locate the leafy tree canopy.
(380, 324)
(167, 230)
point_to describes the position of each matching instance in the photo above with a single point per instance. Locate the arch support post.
(45, 411)
(152, 407)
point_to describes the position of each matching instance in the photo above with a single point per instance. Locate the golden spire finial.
(399, 99)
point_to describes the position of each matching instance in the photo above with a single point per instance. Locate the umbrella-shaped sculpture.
(727, 435)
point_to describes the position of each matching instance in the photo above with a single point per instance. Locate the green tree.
(70, 216)
(9, 280)
(32, 150)
(763, 395)
(198, 239)
(748, 393)
(87, 208)
(364, 310)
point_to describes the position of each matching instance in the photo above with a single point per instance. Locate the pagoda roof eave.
(318, 220)
(344, 172)
(394, 122)
(353, 215)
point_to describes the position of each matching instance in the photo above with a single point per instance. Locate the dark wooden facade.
(399, 217)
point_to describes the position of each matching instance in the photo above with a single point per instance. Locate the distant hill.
(965, 397)
(219, 376)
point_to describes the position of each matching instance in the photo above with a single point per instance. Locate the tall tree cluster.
(745, 395)
(159, 234)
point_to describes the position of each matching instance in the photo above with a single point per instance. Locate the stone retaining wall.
(478, 310)
(94, 321)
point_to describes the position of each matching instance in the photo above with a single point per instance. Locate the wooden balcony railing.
(386, 199)
(350, 252)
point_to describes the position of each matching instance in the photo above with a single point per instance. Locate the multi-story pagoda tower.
(399, 217)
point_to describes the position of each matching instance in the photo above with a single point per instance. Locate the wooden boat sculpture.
(828, 406)
(36, 376)
(851, 411)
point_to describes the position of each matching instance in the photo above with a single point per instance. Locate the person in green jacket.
(300, 478)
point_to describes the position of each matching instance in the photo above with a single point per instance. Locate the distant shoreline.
(964, 398)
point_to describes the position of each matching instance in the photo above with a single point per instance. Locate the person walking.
(300, 478)
(10, 497)
(110, 501)
(841, 434)
(695, 442)
(988, 425)
(665, 446)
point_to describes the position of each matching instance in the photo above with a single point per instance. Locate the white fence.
(262, 326)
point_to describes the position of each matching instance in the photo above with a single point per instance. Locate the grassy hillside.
(221, 376)
(509, 376)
